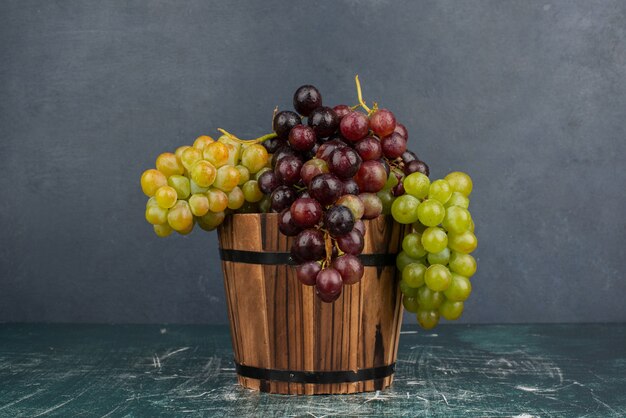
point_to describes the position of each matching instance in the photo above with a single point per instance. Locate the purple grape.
(350, 187)
(307, 272)
(369, 148)
(324, 121)
(372, 204)
(306, 212)
(351, 243)
(416, 166)
(286, 225)
(342, 110)
(282, 152)
(328, 285)
(344, 162)
(306, 99)
(401, 129)
(312, 168)
(371, 176)
(338, 220)
(360, 226)
(309, 245)
(268, 182)
(393, 145)
(273, 144)
(302, 138)
(327, 148)
(349, 267)
(325, 188)
(408, 156)
(282, 197)
(284, 121)
(288, 169)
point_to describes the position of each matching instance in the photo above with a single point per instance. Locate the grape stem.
(360, 95)
(248, 141)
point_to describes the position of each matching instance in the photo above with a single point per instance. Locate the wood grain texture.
(278, 323)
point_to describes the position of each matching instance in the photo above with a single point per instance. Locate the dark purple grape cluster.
(328, 175)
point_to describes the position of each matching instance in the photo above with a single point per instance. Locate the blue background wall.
(529, 97)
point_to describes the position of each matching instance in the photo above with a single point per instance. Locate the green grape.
(179, 154)
(431, 212)
(195, 189)
(156, 215)
(354, 203)
(408, 290)
(190, 156)
(211, 220)
(403, 260)
(412, 245)
(391, 182)
(260, 172)
(218, 200)
(387, 198)
(180, 217)
(202, 172)
(471, 227)
(166, 196)
(429, 299)
(187, 230)
(460, 182)
(244, 174)
(440, 190)
(265, 204)
(410, 303)
(457, 219)
(181, 185)
(442, 257)
(413, 274)
(234, 150)
(251, 191)
(151, 180)
(465, 242)
(434, 239)
(217, 153)
(168, 164)
(417, 184)
(427, 319)
(451, 310)
(438, 277)
(457, 199)
(463, 264)
(202, 141)
(152, 202)
(163, 230)
(199, 204)
(227, 177)
(459, 289)
(254, 157)
(235, 198)
(404, 208)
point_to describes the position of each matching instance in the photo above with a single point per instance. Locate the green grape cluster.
(435, 261)
(200, 184)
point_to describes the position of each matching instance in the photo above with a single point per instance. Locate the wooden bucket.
(284, 338)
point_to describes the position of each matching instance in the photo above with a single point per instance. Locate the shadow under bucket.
(285, 339)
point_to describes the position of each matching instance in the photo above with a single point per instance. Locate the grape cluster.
(435, 261)
(331, 169)
(324, 170)
(202, 183)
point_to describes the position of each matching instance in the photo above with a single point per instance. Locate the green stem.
(248, 141)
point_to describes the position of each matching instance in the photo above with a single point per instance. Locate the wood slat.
(278, 323)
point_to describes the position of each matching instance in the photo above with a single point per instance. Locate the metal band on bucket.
(321, 377)
(269, 258)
